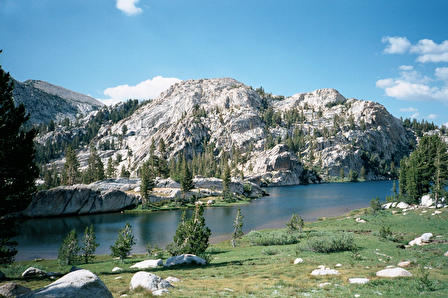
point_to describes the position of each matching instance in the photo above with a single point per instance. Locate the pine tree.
(226, 193)
(123, 245)
(402, 180)
(124, 173)
(17, 168)
(362, 173)
(192, 235)
(441, 174)
(110, 170)
(186, 179)
(69, 250)
(353, 176)
(237, 227)
(295, 223)
(71, 167)
(90, 245)
(146, 183)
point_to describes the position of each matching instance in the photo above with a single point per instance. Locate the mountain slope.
(46, 102)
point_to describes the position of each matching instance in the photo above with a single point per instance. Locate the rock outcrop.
(147, 264)
(12, 290)
(77, 200)
(393, 272)
(185, 259)
(80, 283)
(46, 102)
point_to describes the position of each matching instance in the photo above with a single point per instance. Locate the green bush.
(281, 237)
(123, 245)
(332, 243)
(270, 251)
(295, 224)
(69, 250)
(375, 204)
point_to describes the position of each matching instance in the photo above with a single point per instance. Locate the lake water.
(41, 238)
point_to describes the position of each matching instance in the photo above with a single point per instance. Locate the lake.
(41, 238)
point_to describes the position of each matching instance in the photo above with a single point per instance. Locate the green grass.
(252, 270)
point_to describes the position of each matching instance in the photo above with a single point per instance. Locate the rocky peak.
(320, 98)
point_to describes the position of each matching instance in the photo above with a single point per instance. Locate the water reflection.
(41, 238)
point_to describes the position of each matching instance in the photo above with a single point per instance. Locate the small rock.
(210, 202)
(172, 279)
(358, 280)
(402, 205)
(426, 237)
(394, 211)
(404, 264)
(228, 290)
(148, 264)
(446, 254)
(160, 292)
(424, 211)
(360, 220)
(119, 277)
(117, 269)
(357, 295)
(185, 259)
(32, 272)
(124, 295)
(298, 261)
(148, 281)
(338, 265)
(393, 272)
(324, 284)
(390, 266)
(324, 271)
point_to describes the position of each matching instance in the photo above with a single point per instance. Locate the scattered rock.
(358, 280)
(324, 284)
(172, 279)
(446, 254)
(80, 283)
(148, 281)
(426, 201)
(360, 220)
(338, 265)
(12, 289)
(393, 272)
(298, 261)
(119, 277)
(357, 295)
(160, 292)
(394, 211)
(228, 290)
(436, 212)
(185, 259)
(423, 239)
(402, 205)
(210, 202)
(324, 271)
(404, 264)
(148, 264)
(386, 206)
(426, 237)
(33, 272)
(117, 269)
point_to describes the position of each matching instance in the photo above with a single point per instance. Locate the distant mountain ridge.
(46, 102)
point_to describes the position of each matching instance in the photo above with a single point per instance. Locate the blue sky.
(392, 52)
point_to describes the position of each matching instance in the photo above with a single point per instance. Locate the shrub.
(333, 243)
(69, 250)
(247, 188)
(375, 204)
(123, 245)
(269, 251)
(387, 234)
(295, 223)
(153, 250)
(281, 237)
(423, 281)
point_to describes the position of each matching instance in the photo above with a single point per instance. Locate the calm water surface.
(41, 238)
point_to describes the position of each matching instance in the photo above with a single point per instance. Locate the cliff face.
(46, 102)
(281, 141)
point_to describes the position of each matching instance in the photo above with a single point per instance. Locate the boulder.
(185, 259)
(423, 239)
(160, 292)
(338, 265)
(210, 202)
(148, 264)
(360, 220)
(404, 264)
(77, 200)
(426, 201)
(393, 272)
(426, 237)
(358, 280)
(386, 206)
(33, 272)
(117, 269)
(298, 261)
(148, 281)
(324, 271)
(12, 289)
(402, 205)
(79, 283)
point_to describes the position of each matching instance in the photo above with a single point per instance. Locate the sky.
(391, 52)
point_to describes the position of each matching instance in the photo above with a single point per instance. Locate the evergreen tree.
(438, 188)
(123, 245)
(89, 245)
(71, 167)
(186, 178)
(17, 168)
(237, 227)
(69, 250)
(110, 170)
(226, 193)
(146, 183)
(124, 173)
(353, 176)
(362, 173)
(402, 180)
(341, 173)
(192, 235)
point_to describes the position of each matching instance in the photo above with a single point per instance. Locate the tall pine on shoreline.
(17, 168)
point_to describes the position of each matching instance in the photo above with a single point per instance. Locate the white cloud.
(129, 7)
(396, 44)
(409, 110)
(406, 67)
(431, 116)
(442, 73)
(415, 115)
(429, 51)
(148, 89)
(411, 85)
